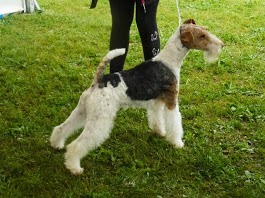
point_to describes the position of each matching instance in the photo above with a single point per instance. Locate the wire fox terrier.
(153, 85)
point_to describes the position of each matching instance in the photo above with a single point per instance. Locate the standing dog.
(153, 85)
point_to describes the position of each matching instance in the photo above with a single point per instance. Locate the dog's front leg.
(174, 127)
(156, 118)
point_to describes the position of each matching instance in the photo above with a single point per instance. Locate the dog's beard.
(214, 49)
(211, 55)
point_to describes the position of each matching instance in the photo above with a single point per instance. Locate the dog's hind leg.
(97, 129)
(174, 127)
(75, 121)
(156, 118)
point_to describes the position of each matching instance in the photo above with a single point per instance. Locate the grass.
(48, 59)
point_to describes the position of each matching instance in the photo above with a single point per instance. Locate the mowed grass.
(48, 59)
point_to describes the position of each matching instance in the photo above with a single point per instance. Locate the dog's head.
(197, 37)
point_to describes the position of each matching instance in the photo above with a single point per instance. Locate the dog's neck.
(173, 53)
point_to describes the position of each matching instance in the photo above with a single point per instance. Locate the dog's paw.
(77, 171)
(72, 162)
(157, 130)
(159, 133)
(57, 144)
(178, 144)
(56, 141)
(74, 169)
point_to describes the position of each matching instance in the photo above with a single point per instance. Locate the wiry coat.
(153, 85)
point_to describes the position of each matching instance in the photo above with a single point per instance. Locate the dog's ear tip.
(192, 21)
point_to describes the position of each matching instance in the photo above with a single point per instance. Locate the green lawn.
(47, 60)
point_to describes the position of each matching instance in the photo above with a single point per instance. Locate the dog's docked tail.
(102, 65)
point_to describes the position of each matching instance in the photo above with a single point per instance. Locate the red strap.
(143, 4)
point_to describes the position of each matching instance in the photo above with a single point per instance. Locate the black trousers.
(122, 12)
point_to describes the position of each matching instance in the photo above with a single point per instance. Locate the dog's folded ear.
(186, 38)
(189, 21)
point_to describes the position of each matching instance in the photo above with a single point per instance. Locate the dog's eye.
(203, 36)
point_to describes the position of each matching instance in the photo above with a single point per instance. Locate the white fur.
(114, 53)
(96, 111)
(97, 108)
(211, 55)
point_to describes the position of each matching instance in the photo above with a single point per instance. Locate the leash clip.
(143, 4)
